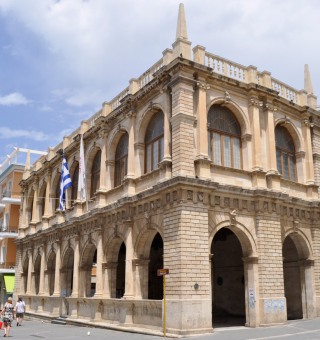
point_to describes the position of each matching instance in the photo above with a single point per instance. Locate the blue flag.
(65, 183)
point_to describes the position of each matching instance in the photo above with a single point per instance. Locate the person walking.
(20, 310)
(8, 316)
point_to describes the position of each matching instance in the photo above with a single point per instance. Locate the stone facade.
(203, 166)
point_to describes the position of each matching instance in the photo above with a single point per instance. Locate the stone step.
(59, 321)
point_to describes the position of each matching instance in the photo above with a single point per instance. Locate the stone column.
(103, 170)
(30, 270)
(167, 130)
(254, 114)
(131, 171)
(57, 278)
(42, 269)
(251, 291)
(308, 289)
(129, 257)
(110, 173)
(141, 278)
(188, 282)
(202, 159)
(99, 276)
(271, 281)
(182, 121)
(76, 264)
(308, 149)
(271, 141)
(110, 275)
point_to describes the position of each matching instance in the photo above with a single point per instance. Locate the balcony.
(8, 199)
(8, 232)
(7, 268)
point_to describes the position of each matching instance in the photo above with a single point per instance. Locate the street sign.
(161, 272)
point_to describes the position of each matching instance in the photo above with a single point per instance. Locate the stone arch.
(55, 191)
(242, 118)
(51, 267)
(37, 268)
(114, 140)
(29, 208)
(67, 271)
(88, 267)
(293, 131)
(248, 244)
(90, 157)
(301, 242)
(145, 119)
(25, 269)
(144, 240)
(42, 199)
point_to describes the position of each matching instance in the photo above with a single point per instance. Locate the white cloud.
(6, 133)
(14, 98)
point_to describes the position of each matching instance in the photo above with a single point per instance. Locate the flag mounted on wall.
(65, 183)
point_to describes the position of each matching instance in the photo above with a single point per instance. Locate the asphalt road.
(294, 330)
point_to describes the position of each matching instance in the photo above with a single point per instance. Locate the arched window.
(57, 197)
(75, 180)
(121, 160)
(154, 143)
(95, 173)
(224, 137)
(286, 162)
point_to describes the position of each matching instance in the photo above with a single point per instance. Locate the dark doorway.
(228, 305)
(121, 272)
(292, 280)
(155, 282)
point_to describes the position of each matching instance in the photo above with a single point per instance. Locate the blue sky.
(60, 60)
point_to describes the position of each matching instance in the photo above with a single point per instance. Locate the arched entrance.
(228, 286)
(121, 272)
(67, 273)
(155, 282)
(37, 274)
(51, 268)
(298, 277)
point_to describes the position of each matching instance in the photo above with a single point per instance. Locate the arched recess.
(298, 273)
(94, 166)
(42, 200)
(292, 129)
(51, 267)
(67, 272)
(30, 206)
(115, 139)
(74, 172)
(115, 267)
(234, 272)
(149, 258)
(241, 117)
(88, 268)
(55, 196)
(25, 269)
(37, 265)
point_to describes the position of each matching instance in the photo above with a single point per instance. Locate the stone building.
(202, 166)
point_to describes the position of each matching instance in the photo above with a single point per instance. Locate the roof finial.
(181, 24)
(181, 47)
(307, 80)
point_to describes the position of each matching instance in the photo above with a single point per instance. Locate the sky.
(61, 59)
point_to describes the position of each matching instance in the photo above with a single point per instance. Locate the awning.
(9, 282)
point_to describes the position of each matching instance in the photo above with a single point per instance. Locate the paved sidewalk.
(293, 330)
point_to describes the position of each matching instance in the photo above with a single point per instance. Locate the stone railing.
(147, 76)
(226, 67)
(284, 90)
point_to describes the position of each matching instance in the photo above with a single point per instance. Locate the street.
(293, 330)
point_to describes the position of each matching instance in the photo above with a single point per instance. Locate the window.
(224, 137)
(286, 162)
(121, 160)
(57, 200)
(75, 180)
(154, 143)
(95, 173)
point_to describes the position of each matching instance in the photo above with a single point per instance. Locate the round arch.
(145, 119)
(236, 110)
(293, 131)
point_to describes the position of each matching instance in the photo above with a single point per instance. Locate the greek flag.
(65, 183)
